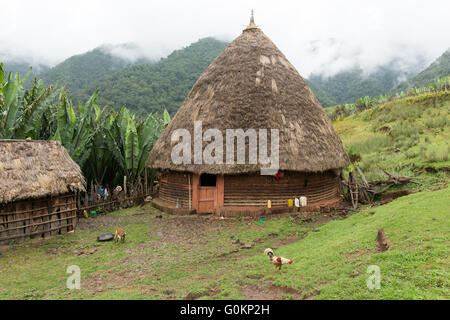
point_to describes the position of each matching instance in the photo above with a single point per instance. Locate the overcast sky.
(316, 35)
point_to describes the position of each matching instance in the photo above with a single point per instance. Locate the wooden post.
(125, 189)
(41, 211)
(68, 201)
(62, 201)
(220, 190)
(54, 209)
(47, 218)
(29, 215)
(21, 206)
(145, 179)
(93, 195)
(78, 201)
(195, 183)
(74, 212)
(190, 191)
(7, 217)
(3, 225)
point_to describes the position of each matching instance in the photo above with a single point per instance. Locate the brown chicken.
(277, 261)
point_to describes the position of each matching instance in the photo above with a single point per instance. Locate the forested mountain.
(22, 66)
(148, 86)
(80, 71)
(438, 69)
(158, 86)
(324, 98)
(349, 85)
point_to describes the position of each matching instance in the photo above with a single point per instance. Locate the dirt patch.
(421, 169)
(85, 252)
(356, 254)
(385, 129)
(355, 274)
(434, 170)
(258, 292)
(288, 240)
(321, 217)
(311, 295)
(4, 248)
(388, 197)
(111, 280)
(103, 221)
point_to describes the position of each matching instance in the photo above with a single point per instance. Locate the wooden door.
(207, 199)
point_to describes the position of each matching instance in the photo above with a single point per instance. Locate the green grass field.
(194, 257)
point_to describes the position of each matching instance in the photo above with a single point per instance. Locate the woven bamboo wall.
(173, 186)
(37, 218)
(256, 190)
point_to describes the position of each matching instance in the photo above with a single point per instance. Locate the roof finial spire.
(252, 24)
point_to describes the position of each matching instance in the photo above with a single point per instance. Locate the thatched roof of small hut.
(251, 84)
(35, 169)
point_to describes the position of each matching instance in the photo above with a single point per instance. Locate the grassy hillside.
(334, 261)
(402, 136)
(165, 84)
(438, 69)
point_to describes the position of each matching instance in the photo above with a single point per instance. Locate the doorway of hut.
(208, 193)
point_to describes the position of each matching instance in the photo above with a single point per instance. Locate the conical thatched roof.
(251, 84)
(35, 169)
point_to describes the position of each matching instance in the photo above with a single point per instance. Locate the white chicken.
(277, 261)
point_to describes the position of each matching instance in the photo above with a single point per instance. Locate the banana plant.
(26, 113)
(106, 144)
(2, 82)
(101, 166)
(12, 97)
(130, 141)
(37, 119)
(166, 118)
(75, 134)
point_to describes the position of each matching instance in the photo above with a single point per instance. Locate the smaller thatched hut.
(38, 185)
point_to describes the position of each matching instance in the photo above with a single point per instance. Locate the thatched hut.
(38, 185)
(251, 84)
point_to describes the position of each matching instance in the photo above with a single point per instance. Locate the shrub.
(436, 121)
(410, 154)
(371, 144)
(432, 154)
(403, 129)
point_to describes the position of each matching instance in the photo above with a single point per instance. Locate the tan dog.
(119, 235)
